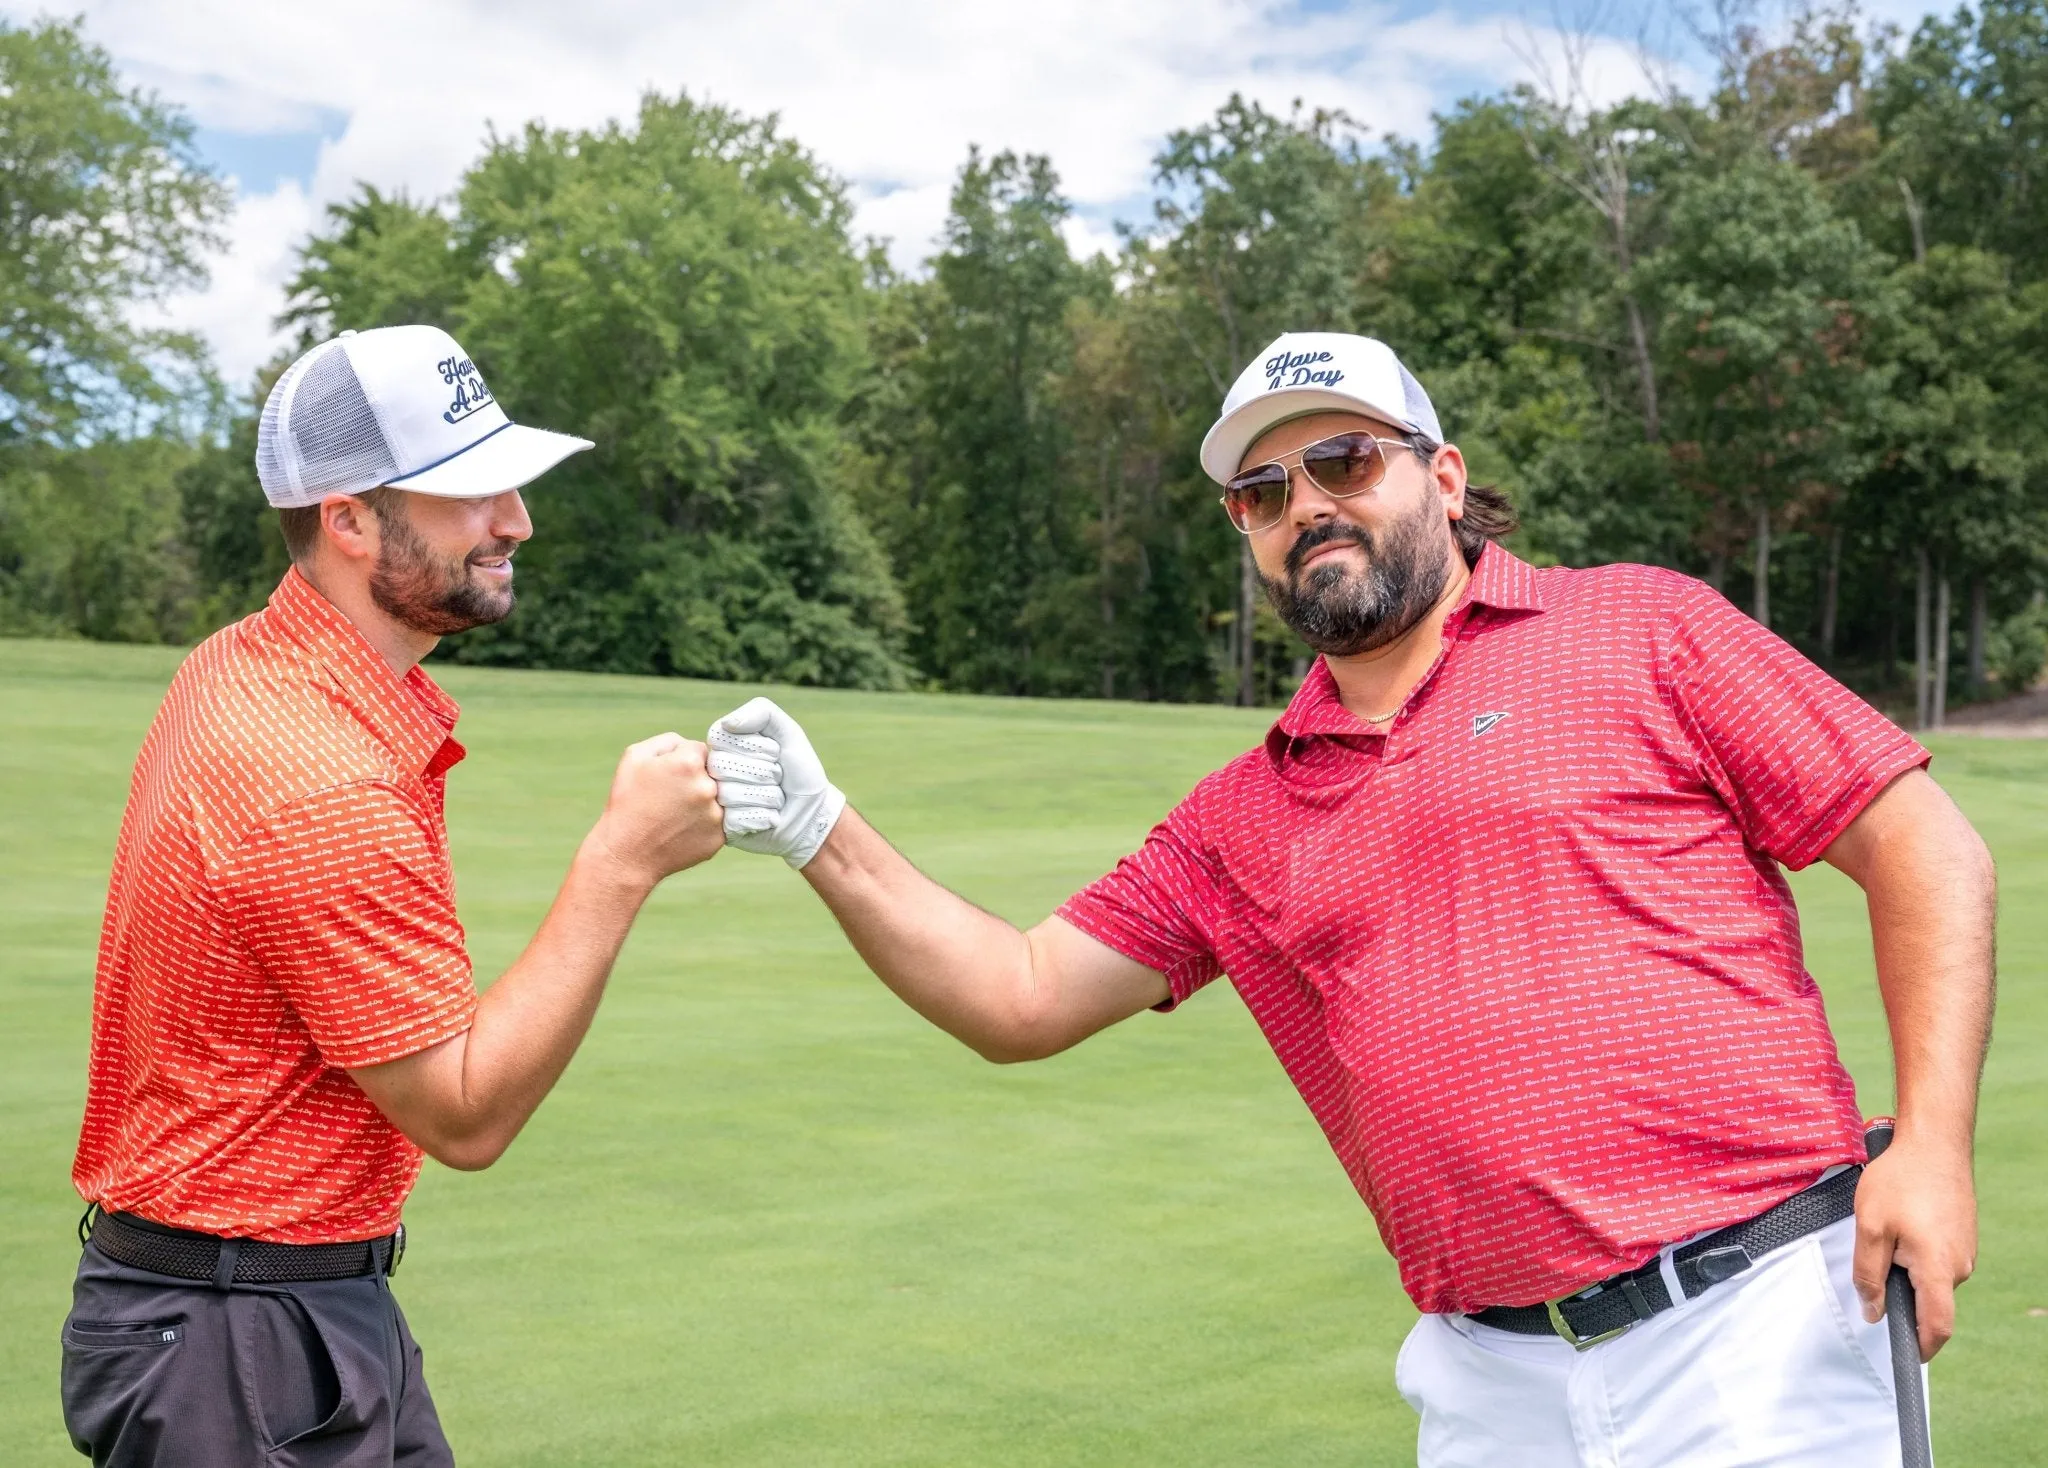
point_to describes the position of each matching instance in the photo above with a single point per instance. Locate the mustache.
(1314, 539)
(491, 551)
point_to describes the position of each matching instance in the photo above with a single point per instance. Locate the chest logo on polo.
(1484, 723)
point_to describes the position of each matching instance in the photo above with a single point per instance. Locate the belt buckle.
(1581, 1342)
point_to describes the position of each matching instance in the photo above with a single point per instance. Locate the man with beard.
(284, 1016)
(1502, 888)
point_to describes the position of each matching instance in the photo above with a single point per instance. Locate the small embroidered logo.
(470, 393)
(1300, 369)
(1482, 723)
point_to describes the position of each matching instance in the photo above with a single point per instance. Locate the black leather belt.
(1609, 1308)
(185, 1254)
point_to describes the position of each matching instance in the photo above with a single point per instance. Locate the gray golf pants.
(169, 1373)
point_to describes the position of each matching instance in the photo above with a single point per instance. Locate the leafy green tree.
(91, 543)
(1499, 279)
(1764, 296)
(997, 526)
(1484, 252)
(1259, 226)
(1962, 115)
(1677, 330)
(1148, 516)
(684, 292)
(228, 528)
(385, 260)
(104, 206)
(1956, 489)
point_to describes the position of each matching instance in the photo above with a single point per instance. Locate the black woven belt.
(1615, 1305)
(184, 1254)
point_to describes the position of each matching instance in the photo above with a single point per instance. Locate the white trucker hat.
(400, 405)
(1315, 372)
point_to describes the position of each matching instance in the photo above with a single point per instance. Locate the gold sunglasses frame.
(1281, 463)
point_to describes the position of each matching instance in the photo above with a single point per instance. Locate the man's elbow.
(465, 1156)
(1982, 866)
(1969, 860)
(1032, 1028)
(1013, 1047)
(461, 1149)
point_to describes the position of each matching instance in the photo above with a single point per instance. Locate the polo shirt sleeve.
(345, 899)
(1156, 906)
(1793, 754)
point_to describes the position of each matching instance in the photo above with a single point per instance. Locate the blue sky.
(261, 161)
(297, 103)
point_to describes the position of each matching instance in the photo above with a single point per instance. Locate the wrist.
(846, 862)
(602, 860)
(1935, 1139)
(818, 823)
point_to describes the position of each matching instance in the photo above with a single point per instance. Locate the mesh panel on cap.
(319, 435)
(1416, 403)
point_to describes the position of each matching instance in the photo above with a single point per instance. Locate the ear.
(349, 526)
(1447, 472)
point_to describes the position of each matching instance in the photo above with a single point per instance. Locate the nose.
(1306, 503)
(509, 520)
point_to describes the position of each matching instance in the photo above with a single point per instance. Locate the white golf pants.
(1773, 1369)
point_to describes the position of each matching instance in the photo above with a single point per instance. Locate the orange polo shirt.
(281, 909)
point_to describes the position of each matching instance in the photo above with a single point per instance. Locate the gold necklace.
(1378, 718)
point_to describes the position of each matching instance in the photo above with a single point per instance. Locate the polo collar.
(1502, 581)
(410, 716)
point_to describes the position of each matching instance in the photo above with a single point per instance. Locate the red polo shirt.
(1528, 954)
(281, 910)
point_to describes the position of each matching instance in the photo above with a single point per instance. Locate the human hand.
(1916, 1206)
(772, 784)
(663, 813)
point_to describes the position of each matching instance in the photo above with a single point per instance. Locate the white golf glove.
(770, 781)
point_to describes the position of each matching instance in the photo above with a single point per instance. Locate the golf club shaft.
(1902, 1321)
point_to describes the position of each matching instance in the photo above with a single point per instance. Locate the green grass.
(770, 1218)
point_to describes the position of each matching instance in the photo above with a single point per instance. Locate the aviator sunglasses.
(1342, 466)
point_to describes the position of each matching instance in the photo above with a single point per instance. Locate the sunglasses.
(1348, 464)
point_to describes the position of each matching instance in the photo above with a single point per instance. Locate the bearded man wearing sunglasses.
(1502, 888)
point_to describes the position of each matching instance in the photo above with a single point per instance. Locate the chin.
(1324, 578)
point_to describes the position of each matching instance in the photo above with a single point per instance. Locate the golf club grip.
(1902, 1320)
(1902, 1323)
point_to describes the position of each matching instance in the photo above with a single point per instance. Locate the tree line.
(1790, 337)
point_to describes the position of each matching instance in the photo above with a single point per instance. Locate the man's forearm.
(529, 1023)
(1932, 917)
(464, 1100)
(1932, 893)
(966, 970)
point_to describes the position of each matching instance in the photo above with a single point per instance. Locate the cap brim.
(512, 456)
(1223, 448)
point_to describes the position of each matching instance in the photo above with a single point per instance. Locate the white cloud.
(889, 93)
(236, 310)
(1088, 237)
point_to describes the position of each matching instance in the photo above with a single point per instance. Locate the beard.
(433, 593)
(1339, 612)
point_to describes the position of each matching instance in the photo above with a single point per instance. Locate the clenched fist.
(663, 813)
(772, 784)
